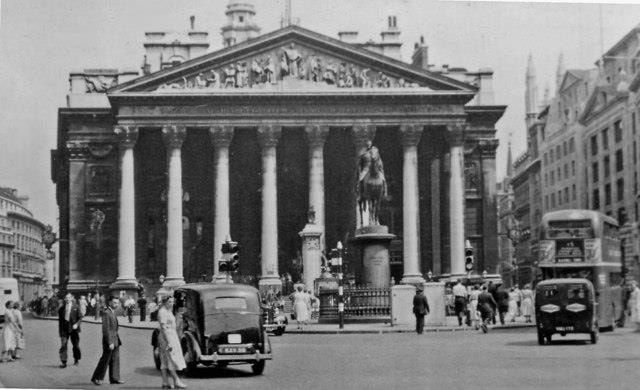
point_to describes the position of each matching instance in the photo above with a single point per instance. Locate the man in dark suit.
(420, 309)
(69, 319)
(110, 346)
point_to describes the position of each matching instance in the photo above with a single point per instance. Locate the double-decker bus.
(584, 244)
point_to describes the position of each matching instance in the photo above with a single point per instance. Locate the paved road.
(451, 360)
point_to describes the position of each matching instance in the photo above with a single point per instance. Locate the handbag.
(21, 343)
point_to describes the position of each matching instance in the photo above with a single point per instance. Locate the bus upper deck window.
(7, 292)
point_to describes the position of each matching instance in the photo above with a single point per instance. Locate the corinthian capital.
(316, 135)
(456, 133)
(173, 136)
(363, 133)
(127, 135)
(269, 135)
(221, 136)
(410, 134)
(77, 150)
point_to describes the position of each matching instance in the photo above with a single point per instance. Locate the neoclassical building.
(155, 171)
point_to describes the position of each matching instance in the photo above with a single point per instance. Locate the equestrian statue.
(371, 188)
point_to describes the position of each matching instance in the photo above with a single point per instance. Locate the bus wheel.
(540, 338)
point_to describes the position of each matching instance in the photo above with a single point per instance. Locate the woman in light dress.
(301, 306)
(512, 312)
(634, 304)
(11, 332)
(473, 306)
(171, 357)
(527, 302)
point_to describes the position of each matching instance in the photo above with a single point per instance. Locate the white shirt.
(459, 290)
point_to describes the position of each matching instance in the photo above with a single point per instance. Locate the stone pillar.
(268, 137)
(456, 196)
(490, 251)
(77, 152)
(311, 252)
(173, 137)
(316, 136)
(362, 134)
(221, 137)
(410, 137)
(127, 136)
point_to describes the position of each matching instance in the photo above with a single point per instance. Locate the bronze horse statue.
(372, 185)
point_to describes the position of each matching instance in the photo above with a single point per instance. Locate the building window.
(553, 177)
(553, 200)
(559, 197)
(573, 192)
(607, 194)
(635, 152)
(566, 171)
(572, 146)
(620, 189)
(594, 145)
(595, 199)
(551, 155)
(573, 168)
(605, 165)
(545, 180)
(546, 201)
(617, 130)
(619, 160)
(566, 194)
(605, 139)
(564, 148)
(558, 152)
(544, 158)
(559, 174)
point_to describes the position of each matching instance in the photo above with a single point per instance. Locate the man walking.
(129, 306)
(420, 309)
(460, 300)
(486, 306)
(110, 346)
(69, 318)
(142, 304)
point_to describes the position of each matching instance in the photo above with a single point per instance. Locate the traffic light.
(230, 261)
(468, 256)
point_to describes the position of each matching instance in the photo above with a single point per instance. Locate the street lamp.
(429, 275)
(340, 287)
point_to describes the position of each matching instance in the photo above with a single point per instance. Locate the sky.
(42, 41)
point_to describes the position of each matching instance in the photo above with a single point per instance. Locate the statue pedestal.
(373, 242)
(311, 254)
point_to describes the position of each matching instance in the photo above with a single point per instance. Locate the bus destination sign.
(569, 251)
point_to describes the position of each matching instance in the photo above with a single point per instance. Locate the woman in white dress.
(512, 311)
(634, 304)
(527, 302)
(473, 306)
(301, 306)
(11, 332)
(171, 357)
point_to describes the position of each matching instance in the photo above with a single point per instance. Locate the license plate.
(564, 328)
(233, 350)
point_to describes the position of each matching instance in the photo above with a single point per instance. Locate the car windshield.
(221, 304)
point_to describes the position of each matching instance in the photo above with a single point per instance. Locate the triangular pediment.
(601, 98)
(291, 58)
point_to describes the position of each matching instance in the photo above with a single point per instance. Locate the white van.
(8, 292)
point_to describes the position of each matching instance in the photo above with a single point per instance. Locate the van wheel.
(540, 338)
(258, 367)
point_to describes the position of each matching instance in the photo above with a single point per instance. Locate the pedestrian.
(527, 302)
(634, 304)
(459, 300)
(473, 306)
(487, 306)
(512, 305)
(493, 290)
(100, 306)
(518, 298)
(110, 346)
(420, 309)
(11, 332)
(171, 356)
(142, 305)
(69, 319)
(82, 304)
(301, 307)
(502, 298)
(44, 304)
(129, 306)
(20, 344)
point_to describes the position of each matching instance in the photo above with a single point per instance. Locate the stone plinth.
(434, 291)
(269, 282)
(373, 242)
(402, 304)
(311, 253)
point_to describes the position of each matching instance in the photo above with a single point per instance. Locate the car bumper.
(254, 357)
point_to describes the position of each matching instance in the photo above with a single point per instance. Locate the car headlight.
(576, 307)
(549, 308)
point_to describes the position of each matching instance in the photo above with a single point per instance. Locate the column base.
(173, 282)
(123, 287)
(269, 281)
(412, 279)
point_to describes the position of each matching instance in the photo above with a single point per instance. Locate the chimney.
(348, 36)
(420, 57)
(192, 18)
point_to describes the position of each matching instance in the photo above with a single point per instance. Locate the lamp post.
(340, 287)
(429, 275)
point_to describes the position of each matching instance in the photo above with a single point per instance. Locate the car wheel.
(540, 338)
(548, 338)
(278, 331)
(189, 357)
(258, 367)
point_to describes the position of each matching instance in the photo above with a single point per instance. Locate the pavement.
(315, 328)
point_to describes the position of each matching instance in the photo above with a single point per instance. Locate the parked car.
(218, 325)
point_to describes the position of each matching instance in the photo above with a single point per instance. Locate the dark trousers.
(460, 308)
(130, 314)
(75, 342)
(419, 323)
(110, 358)
(143, 314)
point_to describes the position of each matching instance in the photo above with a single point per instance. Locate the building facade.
(154, 172)
(22, 253)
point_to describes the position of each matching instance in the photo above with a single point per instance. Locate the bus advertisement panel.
(574, 250)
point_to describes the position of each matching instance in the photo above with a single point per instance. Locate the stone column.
(456, 198)
(316, 136)
(127, 136)
(362, 134)
(410, 137)
(221, 137)
(173, 137)
(268, 137)
(490, 251)
(78, 154)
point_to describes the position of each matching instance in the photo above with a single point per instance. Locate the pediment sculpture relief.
(287, 63)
